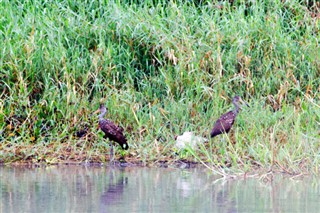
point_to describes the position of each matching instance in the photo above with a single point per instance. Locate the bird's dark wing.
(113, 132)
(223, 124)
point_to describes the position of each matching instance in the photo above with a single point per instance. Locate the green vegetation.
(162, 68)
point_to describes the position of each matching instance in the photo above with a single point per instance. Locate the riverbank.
(162, 69)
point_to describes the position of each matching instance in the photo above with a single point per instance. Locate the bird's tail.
(213, 134)
(123, 143)
(125, 146)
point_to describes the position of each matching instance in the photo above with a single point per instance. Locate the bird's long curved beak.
(97, 111)
(244, 103)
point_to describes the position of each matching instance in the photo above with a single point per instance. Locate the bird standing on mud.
(111, 131)
(225, 122)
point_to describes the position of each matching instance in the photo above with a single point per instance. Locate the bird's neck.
(101, 116)
(236, 110)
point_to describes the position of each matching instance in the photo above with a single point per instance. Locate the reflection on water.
(104, 189)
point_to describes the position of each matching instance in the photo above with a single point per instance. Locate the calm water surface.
(105, 189)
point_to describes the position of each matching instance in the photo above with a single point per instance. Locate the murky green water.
(103, 189)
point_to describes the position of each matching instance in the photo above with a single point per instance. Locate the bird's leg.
(111, 151)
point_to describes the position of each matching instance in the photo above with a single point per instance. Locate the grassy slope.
(163, 70)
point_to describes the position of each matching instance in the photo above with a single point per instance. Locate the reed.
(162, 68)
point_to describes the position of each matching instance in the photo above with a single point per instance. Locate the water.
(104, 189)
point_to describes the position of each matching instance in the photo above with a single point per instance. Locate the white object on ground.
(189, 139)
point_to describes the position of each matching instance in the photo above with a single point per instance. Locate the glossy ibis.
(111, 131)
(225, 122)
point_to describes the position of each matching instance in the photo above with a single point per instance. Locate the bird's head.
(102, 110)
(237, 101)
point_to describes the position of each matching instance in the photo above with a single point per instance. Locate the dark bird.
(111, 131)
(82, 131)
(225, 122)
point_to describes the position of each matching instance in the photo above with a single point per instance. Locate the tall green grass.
(162, 68)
